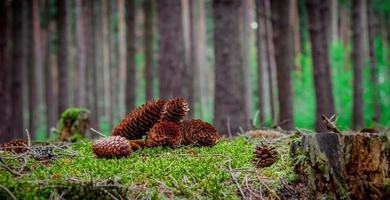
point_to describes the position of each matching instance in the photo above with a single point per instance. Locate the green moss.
(186, 172)
(69, 114)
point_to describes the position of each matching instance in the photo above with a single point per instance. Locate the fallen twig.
(8, 191)
(329, 124)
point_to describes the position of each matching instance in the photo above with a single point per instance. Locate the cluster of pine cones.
(161, 122)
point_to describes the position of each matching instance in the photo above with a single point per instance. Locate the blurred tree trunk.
(334, 20)
(294, 23)
(284, 60)
(372, 34)
(5, 102)
(98, 71)
(122, 60)
(172, 66)
(131, 70)
(148, 6)
(317, 10)
(80, 85)
(91, 50)
(31, 69)
(230, 114)
(190, 68)
(358, 61)
(47, 31)
(62, 60)
(38, 62)
(198, 54)
(271, 69)
(106, 60)
(17, 69)
(246, 41)
(262, 63)
(114, 58)
(344, 25)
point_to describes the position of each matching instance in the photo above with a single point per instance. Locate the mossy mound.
(73, 124)
(222, 171)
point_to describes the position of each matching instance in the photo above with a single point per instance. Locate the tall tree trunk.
(113, 34)
(320, 56)
(5, 102)
(16, 69)
(190, 68)
(148, 46)
(81, 66)
(131, 70)
(294, 23)
(246, 41)
(31, 70)
(230, 103)
(172, 66)
(51, 114)
(358, 61)
(122, 59)
(62, 60)
(344, 25)
(284, 61)
(90, 48)
(271, 69)
(372, 34)
(334, 20)
(262, 63)
(106, 60)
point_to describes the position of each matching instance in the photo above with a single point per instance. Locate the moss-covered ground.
(224, 171)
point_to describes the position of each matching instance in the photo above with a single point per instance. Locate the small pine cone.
(15, 146)
(164, 133)
(174, 110)
(197, 132)
(138, 122)
(112, 147)
(265, 156)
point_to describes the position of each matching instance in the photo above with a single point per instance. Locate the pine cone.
(174, 110)
(138, 122)
(15, 146)
(112, 147)
(164, 133)
(265, 156)
(197, 132)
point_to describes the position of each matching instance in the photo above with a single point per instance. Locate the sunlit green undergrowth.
(184, 172)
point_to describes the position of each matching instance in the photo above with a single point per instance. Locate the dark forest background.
(241, 64)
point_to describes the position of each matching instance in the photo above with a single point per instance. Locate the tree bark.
(148, 46)
(106, 61)
(172, 65)
(284, 61)
(334, 20)
(229, 109)
(271, 69)
(16, 69)
(321, 66)
(5, 102)
(81, 65)
(62, 60)
(262, 63)
(372, 34)
(131, 70)
(122, 60)
(188, 46)
(342, 166)
(358, 61)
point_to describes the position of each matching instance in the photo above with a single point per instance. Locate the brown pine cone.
(15, 146)
(112, 147)
(138, 122)
(199, 133)
(174, 110)
(164, 133)
(265, 156)
(137, 144)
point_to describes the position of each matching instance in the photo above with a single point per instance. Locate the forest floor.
(222, 171)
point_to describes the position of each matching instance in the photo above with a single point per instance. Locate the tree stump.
(74, 122)
(342, 166)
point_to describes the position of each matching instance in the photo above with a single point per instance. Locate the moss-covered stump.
(350, 166)
(74, 122)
